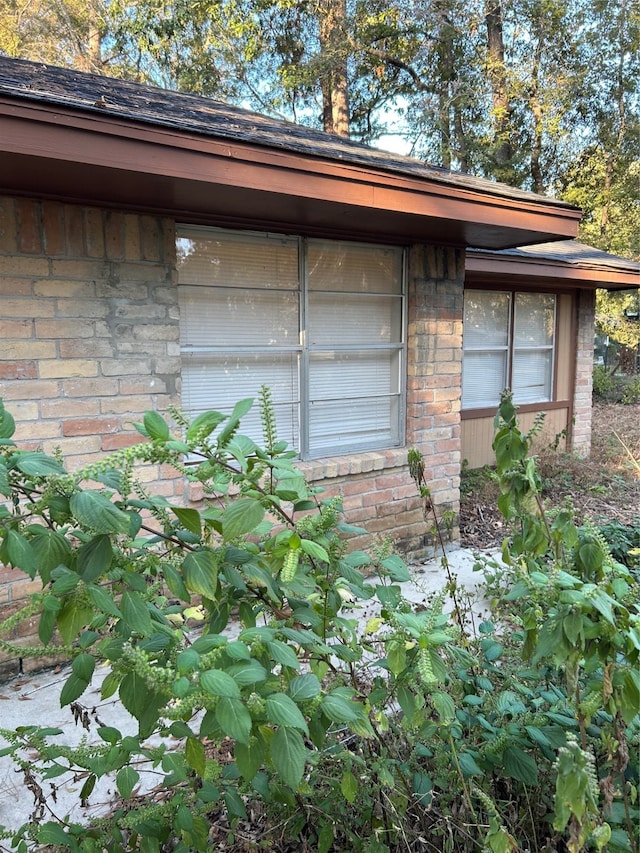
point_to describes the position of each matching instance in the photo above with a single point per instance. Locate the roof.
(391, 191)
(570, 260)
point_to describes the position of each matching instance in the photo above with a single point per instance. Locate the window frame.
(303, 350)
(512, 348)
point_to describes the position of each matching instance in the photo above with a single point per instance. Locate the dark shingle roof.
(574, 253)
(92, 93)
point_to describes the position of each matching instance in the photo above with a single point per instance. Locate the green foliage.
(413, 728)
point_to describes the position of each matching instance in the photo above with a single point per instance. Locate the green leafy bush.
(411, 731)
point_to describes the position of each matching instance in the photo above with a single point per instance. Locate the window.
(321, 323)
(508, 343)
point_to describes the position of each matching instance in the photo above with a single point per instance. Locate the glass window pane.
(486, 319)
(217, 316)
(534, 319)
(365, 424)
(348, 375)
(484, 377)
(207, 257)
(352, 319)
(354, 400)
(532, 375)
(348, 267)
(218, 381)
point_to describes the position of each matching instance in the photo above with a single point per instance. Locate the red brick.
(90, 426)
(28, 220)
(121, 439)
(150, 238)
(74, 229)
(8, 241)
(18, 370)
(131, 237)
(114, 235)
(94, 232)
(53, 228)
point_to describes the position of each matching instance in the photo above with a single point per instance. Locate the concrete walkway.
(34, 700)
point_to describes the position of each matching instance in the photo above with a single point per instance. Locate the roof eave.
(102, 159)
(481, 267)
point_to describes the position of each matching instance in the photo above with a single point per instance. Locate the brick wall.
(582, 394)
(90, 329)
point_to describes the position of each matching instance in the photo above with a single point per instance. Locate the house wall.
(90, 328)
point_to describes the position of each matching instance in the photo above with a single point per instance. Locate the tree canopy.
(541, 94)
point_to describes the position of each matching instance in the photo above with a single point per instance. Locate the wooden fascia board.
(483, 268)
(67, 136)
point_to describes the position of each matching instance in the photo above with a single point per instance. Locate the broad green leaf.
(126, 780)
(5, 488)
(234, 719)
(241, 516)
(396, 569)
(195, 755)
(188, 518)
(83, 666)
(288, 755)
(326, 838)
(592, 556)
(423, 788)
(7, 422)
(187, 661)
(249, 758)
(94, 558)
(175, 583)
(234, 805)
(283, 711)
(314, 550)
(156, 427)
(248, 672)
(20, 553)
(37, 464)
(134, 694)
(216, 682)
(200, 573)
(204, 425)
(53, 833)
(103, 601)
(305, 686)
(444, 705)
(72, 689)
(136, 613)
(468, 765)
(519, 765)
(109, 734)
(51, 549)
(283, 654)
(239, 411)
(73, 617)
(339, 709)
(95, 511)
(349, 786)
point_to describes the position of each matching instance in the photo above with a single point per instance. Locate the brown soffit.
(484, 268)
(62, 153)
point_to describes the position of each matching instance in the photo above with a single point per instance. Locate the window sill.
(329, 467)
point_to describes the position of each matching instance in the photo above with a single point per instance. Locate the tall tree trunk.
(445, 77)
(535, 104)
(497, 72)
(334, 85)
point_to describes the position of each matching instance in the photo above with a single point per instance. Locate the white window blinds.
(508, 341)
(319, 322)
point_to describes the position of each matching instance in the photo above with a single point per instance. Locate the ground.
(603, 488)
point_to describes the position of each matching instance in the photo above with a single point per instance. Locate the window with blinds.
(509, 341)
(321, 323)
